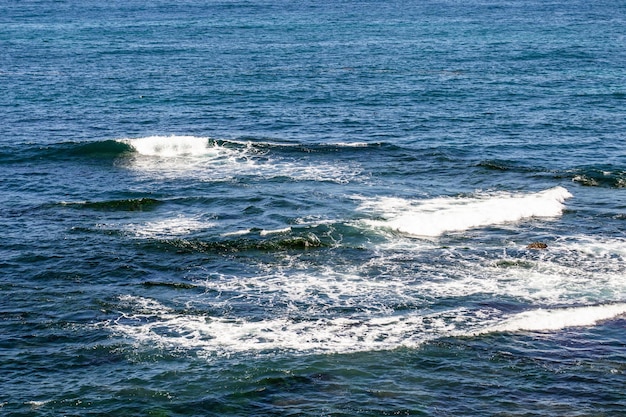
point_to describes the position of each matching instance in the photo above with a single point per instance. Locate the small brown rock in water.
(537, 245)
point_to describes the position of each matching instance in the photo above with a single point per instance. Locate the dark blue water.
(313, 208)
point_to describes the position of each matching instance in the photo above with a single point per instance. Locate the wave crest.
(559, 318)
(213, 160)
(170, 146)
(434, 217)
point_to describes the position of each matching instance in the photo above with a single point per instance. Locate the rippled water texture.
(246, 208)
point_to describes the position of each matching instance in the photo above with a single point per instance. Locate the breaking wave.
(211, 160)
(558, 318)
(172, 146)
(434, 217)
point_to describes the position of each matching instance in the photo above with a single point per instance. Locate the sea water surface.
(273, 208)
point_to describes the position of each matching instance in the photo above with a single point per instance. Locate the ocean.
(313, 208)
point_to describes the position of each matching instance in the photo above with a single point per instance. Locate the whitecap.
(558, 318)
(171, 146)
(168, 227)
(209, 160)
(434, 217)
(265, 232)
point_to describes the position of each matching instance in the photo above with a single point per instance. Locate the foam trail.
(556, 319)
(153, 323)
(434, 217)
(157, 325)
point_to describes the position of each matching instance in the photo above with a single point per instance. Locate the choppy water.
(313, 208)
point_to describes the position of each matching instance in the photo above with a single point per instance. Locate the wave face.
(601, 176)
(437, 216)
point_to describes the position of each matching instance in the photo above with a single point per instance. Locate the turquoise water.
(314, 208)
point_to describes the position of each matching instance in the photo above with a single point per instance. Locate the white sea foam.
(175, 226)
(208, 160)
(152, 323)
(434, 217)
(385, 302)
(556, 319)
(320, 292)
(262, 232)
(155, 324)
(340, 311)
(351, 144)
(569, 271)
(237, 233)
(275, 231)
(34, 405)
(172, 146)
(595, 246)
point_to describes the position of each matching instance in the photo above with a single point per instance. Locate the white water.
(434, 217)
(158, 325)
(207, 160)
(299, 307)
(341, 311)
(172, 146)
(169, 227)
(153, 323)
(556, 319)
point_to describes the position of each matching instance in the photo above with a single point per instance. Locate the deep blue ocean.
(313, 208)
